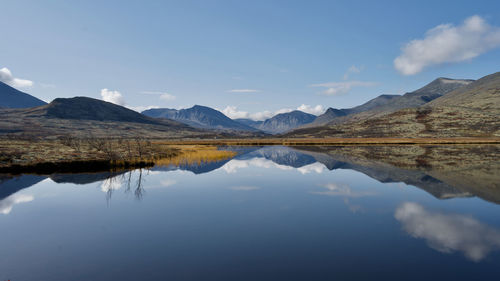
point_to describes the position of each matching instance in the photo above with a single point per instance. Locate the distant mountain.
(329, 115)
(84, 108)
(199, 117)
(385, 104)
(373, 103)
(472, 109)
(286, 121)
(333, 114)
(81, 116)
(429, 92)
(249, 122)
(12, 98)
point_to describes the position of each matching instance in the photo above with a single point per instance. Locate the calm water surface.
(270, 213)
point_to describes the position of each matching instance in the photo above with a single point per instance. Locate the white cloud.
(448, 233)
(168, 182)
(112, 96)
(339, 88)
(243, 91)
(447, 43)
(163, 95)
(9, 202)
(316, 110)
(352, 70)
(233, 112)
(235, 164)
(314, 167)
(111, 184)
(7, 77)
(167, 97)
(342, 190)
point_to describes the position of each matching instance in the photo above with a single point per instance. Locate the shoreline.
(333, 141)
(165, 152)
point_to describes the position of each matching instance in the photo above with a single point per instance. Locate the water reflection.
(343, 190)
(443, 171)
(269, 213)
(132, 180)
(6, 204)
(447, 232)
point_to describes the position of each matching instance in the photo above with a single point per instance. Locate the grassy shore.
(334, 141)
(72, 154)
(89, 155)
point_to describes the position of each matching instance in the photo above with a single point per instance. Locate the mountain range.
(199, 117)
(83, 116)
(384, 104)
(443, 108)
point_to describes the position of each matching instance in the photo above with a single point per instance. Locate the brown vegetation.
(98, 154)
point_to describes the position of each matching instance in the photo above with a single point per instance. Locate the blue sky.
(248, 58)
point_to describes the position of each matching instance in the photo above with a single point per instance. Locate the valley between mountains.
(444, 111)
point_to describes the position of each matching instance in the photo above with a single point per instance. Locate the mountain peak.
(284, 122)
(200, 116)
(85, 108)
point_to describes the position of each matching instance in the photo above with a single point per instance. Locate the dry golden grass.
(23, 155)
(195, 154)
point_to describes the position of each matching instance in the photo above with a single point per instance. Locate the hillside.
(12, 98)
(84, 108)
(468, 111)
(286, 121)
(81, 116)
(200, 117)
(386, 104)
(333, 114)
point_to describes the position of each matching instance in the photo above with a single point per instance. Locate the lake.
(269, 213)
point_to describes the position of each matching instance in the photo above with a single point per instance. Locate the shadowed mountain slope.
(12, 98)
(81, 116)
(199, 117)
(286, 121)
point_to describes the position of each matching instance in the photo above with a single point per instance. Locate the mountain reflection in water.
(443, 171)
(319, 209)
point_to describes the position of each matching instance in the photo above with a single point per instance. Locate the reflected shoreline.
(443, 171)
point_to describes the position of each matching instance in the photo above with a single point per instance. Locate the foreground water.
(270, 213)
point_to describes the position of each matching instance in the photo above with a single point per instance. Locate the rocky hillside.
(336, 114)
(471, 110)
(385, 104)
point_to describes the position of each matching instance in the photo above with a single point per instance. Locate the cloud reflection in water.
(448, 233)
(9, 202)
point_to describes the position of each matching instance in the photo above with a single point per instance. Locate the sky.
(249, 59)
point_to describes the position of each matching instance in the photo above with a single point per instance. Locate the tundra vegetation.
(70, 153)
